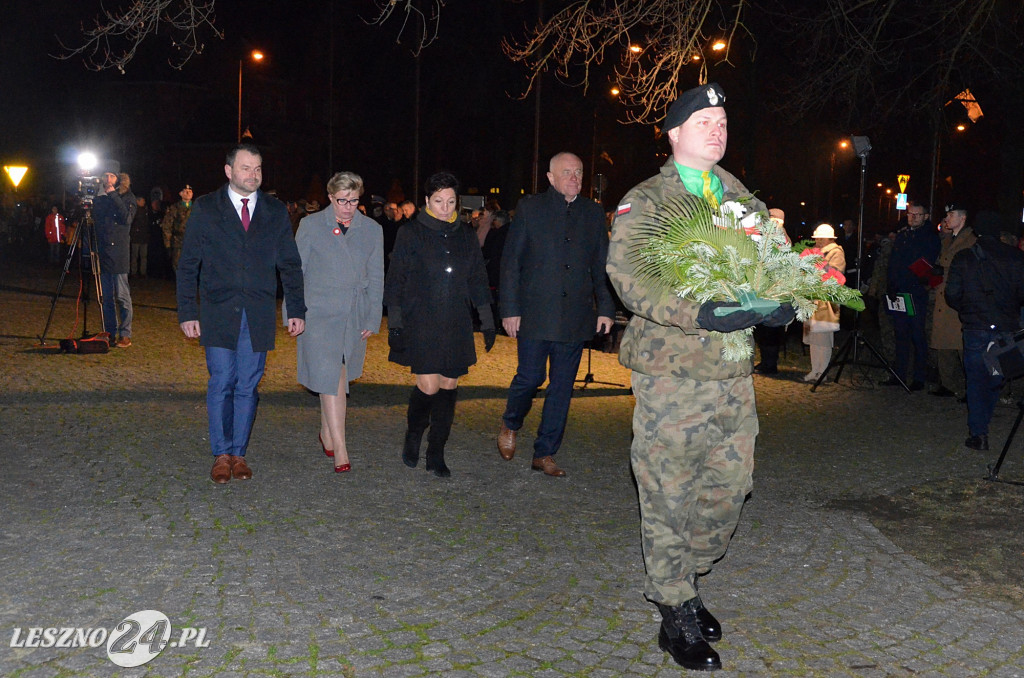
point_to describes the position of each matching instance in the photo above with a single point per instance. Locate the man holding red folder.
(916, 242)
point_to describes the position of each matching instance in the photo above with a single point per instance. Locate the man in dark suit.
(236, 241)
(553, 298)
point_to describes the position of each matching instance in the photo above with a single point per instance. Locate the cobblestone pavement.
(498, 571)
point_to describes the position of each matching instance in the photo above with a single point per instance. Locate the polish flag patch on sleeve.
(623, 209)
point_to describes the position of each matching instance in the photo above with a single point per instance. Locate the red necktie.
(245, 213)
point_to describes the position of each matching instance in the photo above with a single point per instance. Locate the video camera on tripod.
(86, 187)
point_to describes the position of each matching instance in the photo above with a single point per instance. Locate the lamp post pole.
(255, 55)
(239, 137)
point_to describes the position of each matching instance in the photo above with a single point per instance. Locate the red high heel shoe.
(344, 468)
(329, 453)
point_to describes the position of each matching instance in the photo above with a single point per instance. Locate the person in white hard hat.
(820, 329)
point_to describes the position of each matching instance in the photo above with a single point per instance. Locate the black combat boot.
(441, 415)
(709, 626)
(680, 636)
(418, 419)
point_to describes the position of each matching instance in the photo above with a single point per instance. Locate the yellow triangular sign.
(902, 180)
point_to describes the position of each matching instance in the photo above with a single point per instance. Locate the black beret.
(691, 101)
(956, 206)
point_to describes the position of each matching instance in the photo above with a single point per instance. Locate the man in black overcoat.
(554, 297)
(236, 242)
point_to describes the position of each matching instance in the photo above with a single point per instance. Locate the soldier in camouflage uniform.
(174, 222)
(695, 421)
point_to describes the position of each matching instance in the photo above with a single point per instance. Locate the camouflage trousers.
(693, 458)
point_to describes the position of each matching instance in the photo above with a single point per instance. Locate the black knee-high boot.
(418, 419)
(441, 415)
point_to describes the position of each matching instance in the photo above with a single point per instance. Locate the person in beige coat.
(946, 337)
(820, 329)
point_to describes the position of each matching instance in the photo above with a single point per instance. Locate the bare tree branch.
(880, 59)
(654, 41)
(115, 36)
(425, 16)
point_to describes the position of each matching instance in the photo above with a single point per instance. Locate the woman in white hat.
(820, 329)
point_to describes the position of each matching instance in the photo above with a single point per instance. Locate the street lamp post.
(844, 144)
(257, 56)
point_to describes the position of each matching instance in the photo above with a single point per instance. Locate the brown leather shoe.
(239, 469)
(221, 471)
(548, 465)
(506, 442)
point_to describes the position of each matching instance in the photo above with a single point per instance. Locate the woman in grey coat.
(343, 271)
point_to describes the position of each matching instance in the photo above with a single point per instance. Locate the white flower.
(751, 221)
(733, 209)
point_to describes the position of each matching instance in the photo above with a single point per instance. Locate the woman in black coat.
(435, 280)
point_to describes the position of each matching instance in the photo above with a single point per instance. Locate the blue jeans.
(910, 333)
(117, 305)
(231, 395)
(982, 388)
(534, 355)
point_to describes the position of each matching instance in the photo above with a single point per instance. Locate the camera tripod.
(588, 378)
(85, 238)
(993, 469)
(856, 338)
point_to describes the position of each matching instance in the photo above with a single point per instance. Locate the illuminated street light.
(256, 56)
(961, 127)
(16, 174)
(718, 45)
(614, 91)
(841, 146)
(636, 49)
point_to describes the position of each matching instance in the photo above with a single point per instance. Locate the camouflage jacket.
(662, 338)
(173, 224)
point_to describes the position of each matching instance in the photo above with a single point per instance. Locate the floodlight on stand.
(862, 146)
(87, 161)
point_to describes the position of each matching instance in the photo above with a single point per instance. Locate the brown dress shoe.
(221, 471)
(548, 465)
(239, 469)
(506, 442)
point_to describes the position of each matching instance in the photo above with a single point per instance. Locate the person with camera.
(985, 286)
(111, 213)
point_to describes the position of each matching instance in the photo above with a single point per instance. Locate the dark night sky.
(169, 126)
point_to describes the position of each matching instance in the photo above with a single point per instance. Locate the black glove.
(780, 317)
(737, 320)
(396, 342)
(489, 335)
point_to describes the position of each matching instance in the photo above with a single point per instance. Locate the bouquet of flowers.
(730, 254)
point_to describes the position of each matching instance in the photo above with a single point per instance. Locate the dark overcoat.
(113, 232)
(225, 269)
(552, 268)
(435, 280)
